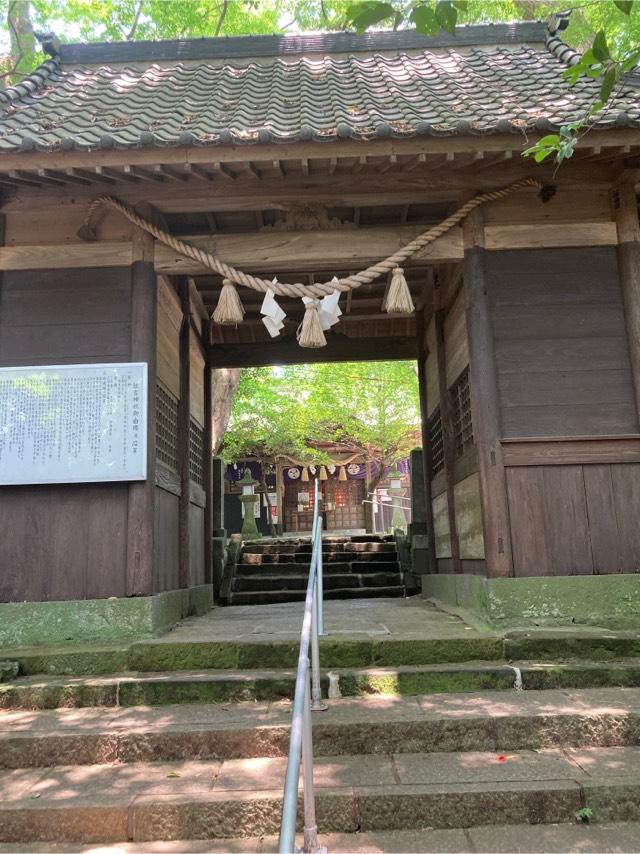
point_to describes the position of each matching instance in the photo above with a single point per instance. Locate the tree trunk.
(23, 41)
(224, 382)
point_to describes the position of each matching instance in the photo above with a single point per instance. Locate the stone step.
(370, 547)
(357, 566)
(491, 839)
(328, 547)
(491, 721)
(304, 558)
(243, 797)
(266, 597)
(170, 654)
(339, 650)
(229, 686)
(332, 581)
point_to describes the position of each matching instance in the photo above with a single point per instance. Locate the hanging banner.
(73, 423)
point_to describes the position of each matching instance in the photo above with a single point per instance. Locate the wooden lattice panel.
(166, 428)
(461, 413)
(436, 441)
(196, 453)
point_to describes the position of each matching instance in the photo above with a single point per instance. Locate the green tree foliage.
(368, 407)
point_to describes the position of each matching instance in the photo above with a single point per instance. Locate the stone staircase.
(430, 748)
(355, 567)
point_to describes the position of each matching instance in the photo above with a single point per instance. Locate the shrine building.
(146, 186)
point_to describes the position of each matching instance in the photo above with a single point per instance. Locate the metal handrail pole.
(310, 830)
(317, 703)
(290, 797)
(320, 584)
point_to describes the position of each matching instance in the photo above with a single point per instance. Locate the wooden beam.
(628, 227)
(143, 174)
(163, 171)
(184, 424)
(485, 402)
(116, 174)
(197, 172)
(427, 455)
(339, 190)
(66, 177)
(207, 470)
(141, 504)
(294, 151)
(268, 253)
(288, 352)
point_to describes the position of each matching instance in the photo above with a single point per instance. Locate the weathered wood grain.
(560, 343)
(487, 429)
(629, 265)
(141, 570)
(446, 419)
(455, 337)
(568, 451)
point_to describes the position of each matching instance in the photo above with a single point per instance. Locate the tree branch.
(136, 20)
(223, 15)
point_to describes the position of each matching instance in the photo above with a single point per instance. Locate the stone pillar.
(249, 528)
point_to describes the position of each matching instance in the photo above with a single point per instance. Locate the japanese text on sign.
(73, 423)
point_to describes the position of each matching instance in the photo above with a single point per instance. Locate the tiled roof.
(486, 80)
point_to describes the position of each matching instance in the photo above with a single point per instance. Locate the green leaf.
(600, 48)
(447, 16)
(549, 139)
(610, 79)
(424, 19)
(542, 154)
(365, 15)
(625, 6)
(461, 5)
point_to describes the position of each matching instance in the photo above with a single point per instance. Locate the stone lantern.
(397, 492)
(249, 528)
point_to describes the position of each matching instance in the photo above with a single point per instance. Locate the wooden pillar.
(446, 417)
(427, 456)
(485, 402)
(207, 469)
(184, 422)
(141, 579)
(629, 267)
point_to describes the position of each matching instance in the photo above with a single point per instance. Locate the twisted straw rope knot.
(319, 289)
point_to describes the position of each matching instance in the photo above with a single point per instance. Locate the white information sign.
(73, 423)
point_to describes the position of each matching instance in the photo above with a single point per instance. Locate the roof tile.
(440, 92)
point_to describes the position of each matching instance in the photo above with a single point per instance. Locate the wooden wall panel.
(560, 343)
(196, 381)
(626, 492)
(166, 532)
(575, 519)
(64, 541)
(441, 526)
(469, 518)
(433, 390)
(55, 316)
(196, 545)
(169, 320)
(455, 340)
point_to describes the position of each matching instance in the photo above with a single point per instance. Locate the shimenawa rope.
(230, 309)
